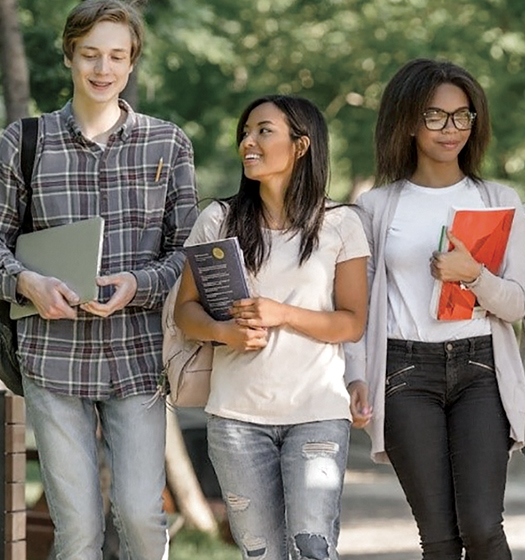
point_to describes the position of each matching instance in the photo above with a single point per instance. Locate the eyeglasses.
(437, 119)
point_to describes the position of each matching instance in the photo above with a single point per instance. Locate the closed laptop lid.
(71, 252)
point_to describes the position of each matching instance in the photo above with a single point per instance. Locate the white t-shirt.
(411, 239)
(294, 379)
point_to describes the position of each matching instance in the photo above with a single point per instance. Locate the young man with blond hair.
(98, 363)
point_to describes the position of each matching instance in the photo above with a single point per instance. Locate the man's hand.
(125, 289)
(51, 297)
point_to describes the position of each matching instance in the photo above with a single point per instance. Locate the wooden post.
(14, 465)
(2, 470)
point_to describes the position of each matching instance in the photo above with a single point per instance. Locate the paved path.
(377, 523)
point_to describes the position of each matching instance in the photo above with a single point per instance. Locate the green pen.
(442, 238)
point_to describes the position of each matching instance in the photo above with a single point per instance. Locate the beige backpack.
(187, 363)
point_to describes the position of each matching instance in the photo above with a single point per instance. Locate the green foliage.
(204, 61)
(50, 81)
(193, 545)
(339, 53)
(33, 484)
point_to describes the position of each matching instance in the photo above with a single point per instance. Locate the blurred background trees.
(204, 61)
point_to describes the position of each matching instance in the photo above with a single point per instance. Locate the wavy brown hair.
(404, 100)
(87, 14)
(305, 197)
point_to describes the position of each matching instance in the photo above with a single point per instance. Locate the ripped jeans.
(282, 485)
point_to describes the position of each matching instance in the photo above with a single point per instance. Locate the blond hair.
(90, 12)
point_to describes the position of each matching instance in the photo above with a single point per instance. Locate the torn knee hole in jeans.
(255, 546)
(312, 547)
(313, 449)
(237, 503)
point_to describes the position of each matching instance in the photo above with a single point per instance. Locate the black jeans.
(447, 436)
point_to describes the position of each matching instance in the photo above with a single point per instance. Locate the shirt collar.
(124, 130)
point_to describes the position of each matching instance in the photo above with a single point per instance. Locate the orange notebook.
(485, 233)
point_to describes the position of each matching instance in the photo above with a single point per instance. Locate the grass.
(192, 545)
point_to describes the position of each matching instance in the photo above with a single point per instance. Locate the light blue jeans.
(282, 485)
(134, 440)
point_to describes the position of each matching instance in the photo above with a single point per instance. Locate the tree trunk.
(15, 75)
(131, 91)
(183, 482)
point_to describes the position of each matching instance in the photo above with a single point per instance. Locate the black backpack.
(9, 366)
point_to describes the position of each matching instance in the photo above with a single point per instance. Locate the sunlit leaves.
(205, 60)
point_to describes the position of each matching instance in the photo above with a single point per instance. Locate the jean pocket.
(396, 380)
(485, 367)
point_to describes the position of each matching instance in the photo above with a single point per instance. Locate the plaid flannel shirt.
(147, 219)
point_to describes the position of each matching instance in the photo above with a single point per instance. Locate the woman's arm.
(345, 323)
(196, 324)
(503, 296)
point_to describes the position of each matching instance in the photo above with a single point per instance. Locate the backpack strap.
(27, 160)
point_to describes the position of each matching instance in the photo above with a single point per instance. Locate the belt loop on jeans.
(410, 343)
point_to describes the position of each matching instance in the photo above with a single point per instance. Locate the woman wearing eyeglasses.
(448, 396)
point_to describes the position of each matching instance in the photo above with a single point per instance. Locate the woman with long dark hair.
(448, 396)
(279, 408)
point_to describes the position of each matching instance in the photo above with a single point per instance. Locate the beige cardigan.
(503, 296)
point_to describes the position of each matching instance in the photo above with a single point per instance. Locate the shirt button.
(450, 346)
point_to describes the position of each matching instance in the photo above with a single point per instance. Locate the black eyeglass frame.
(436, 112)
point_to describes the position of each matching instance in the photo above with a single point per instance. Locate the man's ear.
(302, 146)
(67, 62)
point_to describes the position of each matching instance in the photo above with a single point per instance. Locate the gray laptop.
(71, 253)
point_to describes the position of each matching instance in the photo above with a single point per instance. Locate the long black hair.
(304, 201)
(404, 100)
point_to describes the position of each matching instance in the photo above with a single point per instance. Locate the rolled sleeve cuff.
(144, 287)
(485, 285)
(355, 362)
(9, 283)
(505, 300)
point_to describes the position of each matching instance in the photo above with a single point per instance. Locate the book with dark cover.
(219, 274)
(485, 233)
